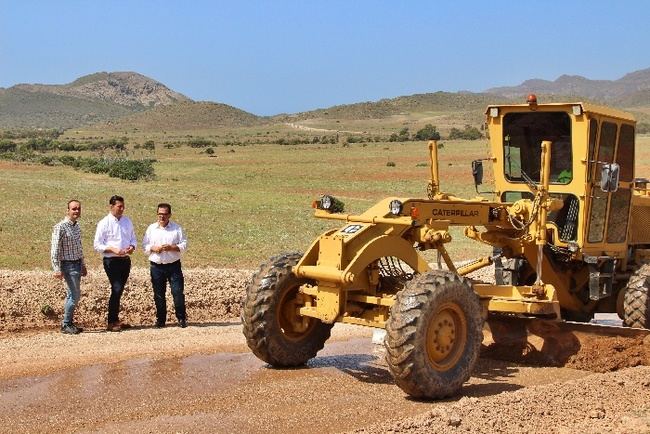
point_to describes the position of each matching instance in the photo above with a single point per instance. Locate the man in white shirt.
(115, 240)
(164, 242)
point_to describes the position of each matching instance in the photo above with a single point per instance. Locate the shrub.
(468, 133)
(7, 146)
(391, 164)
(429, 132)
(209, 151)
(131, 170)
(642, 128)
(200, 142)
(402, 136)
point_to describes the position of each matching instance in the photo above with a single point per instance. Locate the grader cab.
(568, 221)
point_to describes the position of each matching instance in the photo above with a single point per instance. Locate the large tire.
(636, 302)
(434, 335)
(274, 331)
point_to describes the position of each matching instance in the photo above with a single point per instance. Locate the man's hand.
(84, 270)
(58, 275)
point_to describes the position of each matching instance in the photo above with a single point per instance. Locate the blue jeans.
(71, 271)
(118, 270)
(160, 275)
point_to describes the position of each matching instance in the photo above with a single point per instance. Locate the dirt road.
(203, 379)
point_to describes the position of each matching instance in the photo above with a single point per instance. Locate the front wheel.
(434, 335)
(274, 331)
(636, 301)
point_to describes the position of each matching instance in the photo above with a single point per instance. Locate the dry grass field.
(239, 206)
(243, 203)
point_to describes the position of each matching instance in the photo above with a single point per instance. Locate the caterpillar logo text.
(440, 212)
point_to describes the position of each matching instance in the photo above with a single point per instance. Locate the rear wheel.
(434, 335)
(274, 331)
(636, 302)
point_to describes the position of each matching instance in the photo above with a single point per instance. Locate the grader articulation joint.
(567, 220)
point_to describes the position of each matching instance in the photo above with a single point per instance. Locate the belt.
(70, 260)
(168, 263)
(117, 257)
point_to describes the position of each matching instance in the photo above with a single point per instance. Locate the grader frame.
(568, 229)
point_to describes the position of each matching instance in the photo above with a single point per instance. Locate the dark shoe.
(114, 326)
(160, 324)
(182, 323)
(79, 329)
(124, 325)
(69, 329)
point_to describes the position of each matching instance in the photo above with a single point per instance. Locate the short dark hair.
(73, 200)
(167, 206)
(115, 198)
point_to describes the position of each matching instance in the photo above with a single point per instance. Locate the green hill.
(185, 116)
(24, 109)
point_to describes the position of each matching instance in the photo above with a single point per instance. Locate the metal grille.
(640, 225)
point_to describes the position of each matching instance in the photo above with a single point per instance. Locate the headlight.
(326, 202)
(395, 207)
(331, 204)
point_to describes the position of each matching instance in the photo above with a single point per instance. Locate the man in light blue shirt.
(115, 240)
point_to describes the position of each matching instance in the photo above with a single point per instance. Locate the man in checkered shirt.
(68, 262)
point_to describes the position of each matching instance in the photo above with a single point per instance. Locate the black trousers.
(117, 269)
(160, 275)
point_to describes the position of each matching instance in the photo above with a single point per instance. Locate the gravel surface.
(600, 403)
(34, 299)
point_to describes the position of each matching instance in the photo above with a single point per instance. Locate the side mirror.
(609, 177)
(477, 172)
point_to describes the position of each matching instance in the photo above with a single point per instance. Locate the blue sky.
(270, 57)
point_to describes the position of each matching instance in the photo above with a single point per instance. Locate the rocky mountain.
(631, 90)
(129, 89)
(103, 96)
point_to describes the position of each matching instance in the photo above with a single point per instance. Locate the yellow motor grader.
(568, 221)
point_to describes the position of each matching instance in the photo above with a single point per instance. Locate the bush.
(209, 151)
(200, 142)
(469, 133)
(131, 170)
(402, 136)
(429, 132)
(7, 146)
(391, 164)
(642, 128)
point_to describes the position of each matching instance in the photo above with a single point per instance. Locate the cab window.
(523, 134)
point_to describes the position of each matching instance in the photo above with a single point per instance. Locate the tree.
(469, 133)
(429, 132)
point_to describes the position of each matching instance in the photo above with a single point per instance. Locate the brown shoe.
(114, 326)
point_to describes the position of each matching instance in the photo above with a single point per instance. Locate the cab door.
(609, 213)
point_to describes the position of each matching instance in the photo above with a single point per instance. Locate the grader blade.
(587, 346)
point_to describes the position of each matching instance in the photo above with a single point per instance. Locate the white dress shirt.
(157, 235)
(112, 232)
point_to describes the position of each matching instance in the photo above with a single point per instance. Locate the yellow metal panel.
(330, 252)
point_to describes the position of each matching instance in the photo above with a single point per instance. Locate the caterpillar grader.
(569, 226)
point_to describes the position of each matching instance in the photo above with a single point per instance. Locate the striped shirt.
(66, 243)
